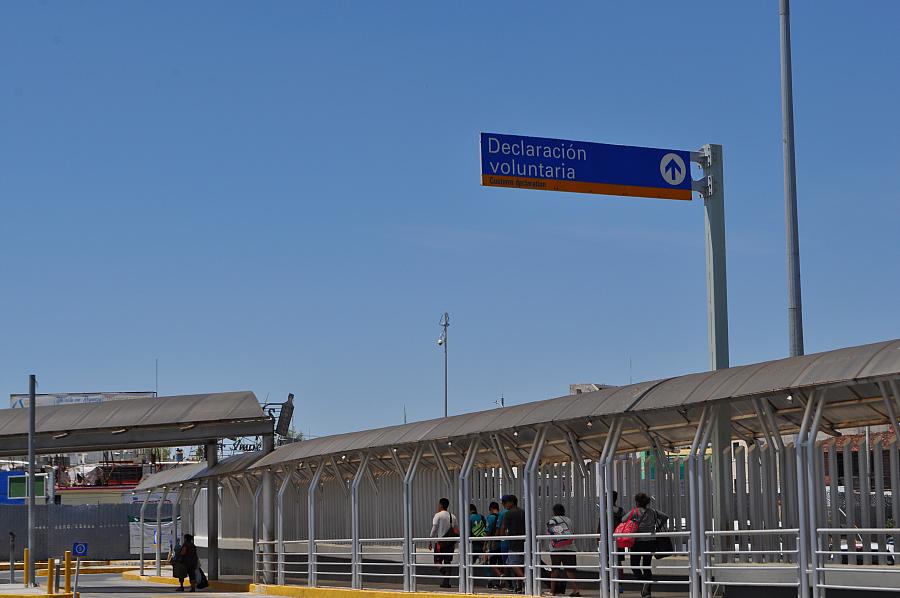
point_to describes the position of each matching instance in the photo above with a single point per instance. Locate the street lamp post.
(442, 342)
(795, 304)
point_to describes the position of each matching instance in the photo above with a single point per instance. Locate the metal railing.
(617, 562)
(337, 572)
(293, 561)
(851, 550)
(540, 567)
(265, 561)
(736, 551)
(382, 549)
(491, 559)
(451, 557)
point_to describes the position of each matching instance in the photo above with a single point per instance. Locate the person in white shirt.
(444, 525)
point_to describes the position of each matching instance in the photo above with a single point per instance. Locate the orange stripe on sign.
(490, 180)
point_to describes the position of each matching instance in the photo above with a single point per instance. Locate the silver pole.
(32, 383)
(713, 190)
(212, 512)
(795, 304)
(143, 510)
(159, 512)
(268, 507)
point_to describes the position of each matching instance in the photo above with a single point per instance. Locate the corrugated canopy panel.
(668, 409)
(134, 423)
(199, 471)
(182, 409)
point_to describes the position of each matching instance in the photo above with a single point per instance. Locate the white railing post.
(355, 556)
(409, 547)
(463, 517)
(532, 586)
(311, 523)
(159, 508)
(279, 525)
(607, 542)
(695, 500)
(143, 510)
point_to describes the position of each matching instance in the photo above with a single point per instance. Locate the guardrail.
(641, 562)
(333, 571)
(380, 548)
(493, 560)
(741, 553)
(567, 560)
(265, 561)
(833, 554)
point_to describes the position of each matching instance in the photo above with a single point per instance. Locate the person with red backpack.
(641, 519)
(562, 550)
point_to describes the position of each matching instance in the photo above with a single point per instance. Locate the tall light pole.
(442, 342)
(32, 384)
(795, 304)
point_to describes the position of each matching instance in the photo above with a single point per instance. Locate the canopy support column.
(695, 539)
(504, 463)
(268, 507)
(442, 465)
(409, 548)
(159, 508)
(288, 476)
(176, 512)
(532, 571)
(465, 584)
(812, 416)
(212, 512)
(697, 466)
(143, 510)
(355, 556)
(311, 523)
(607, 573)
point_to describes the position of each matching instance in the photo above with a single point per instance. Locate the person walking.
(186, 563)
(477, 529)
(444, 526)
(648, 520)
(494, 559)
(562, 551)
(514, 525)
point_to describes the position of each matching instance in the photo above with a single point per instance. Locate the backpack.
(479, 528)
(452, 531)
(628, 526)
(559, 527)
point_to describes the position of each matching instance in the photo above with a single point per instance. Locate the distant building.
(577, 389)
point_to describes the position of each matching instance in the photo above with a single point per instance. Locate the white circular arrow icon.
(672, 169)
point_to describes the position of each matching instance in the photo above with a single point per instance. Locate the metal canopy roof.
(135, 423)
(199, 471)
(665, 411)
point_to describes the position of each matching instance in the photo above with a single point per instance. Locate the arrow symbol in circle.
(673, 169)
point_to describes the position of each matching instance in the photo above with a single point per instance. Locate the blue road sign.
(80, 549)
(584, 167)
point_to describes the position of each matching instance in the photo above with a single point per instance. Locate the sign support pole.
(32, 383)
(713, 190)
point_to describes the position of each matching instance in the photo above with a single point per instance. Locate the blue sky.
(284, 197)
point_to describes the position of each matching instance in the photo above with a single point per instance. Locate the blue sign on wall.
(584, 167)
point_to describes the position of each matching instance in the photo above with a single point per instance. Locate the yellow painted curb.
(304, 592)
(222, 586)
(60, 595)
